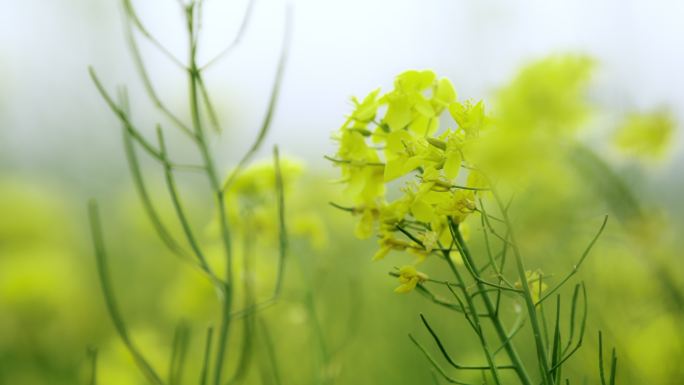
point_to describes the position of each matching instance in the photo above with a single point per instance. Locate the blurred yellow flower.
(409, 277)
(547, 95)
(535, 283)
(646, 135)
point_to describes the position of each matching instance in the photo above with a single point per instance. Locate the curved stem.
(112, 307)
(491, 309)
(236, 40)
(266, 124)
(527, 295)
(475, 319)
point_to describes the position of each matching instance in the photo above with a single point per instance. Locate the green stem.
(270, 111)
(491, 309)
(227, 303)
(108, 291)
(249, 319)
(180, 213)
(475, 319)
(527, 295)
(207, 353)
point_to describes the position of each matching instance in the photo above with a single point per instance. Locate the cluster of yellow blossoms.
(396, 138)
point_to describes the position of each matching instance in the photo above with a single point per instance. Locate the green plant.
(238, 297)
(448, 176)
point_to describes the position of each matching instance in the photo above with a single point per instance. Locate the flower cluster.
(405, 136)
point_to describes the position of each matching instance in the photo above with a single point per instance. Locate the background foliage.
(51, 309)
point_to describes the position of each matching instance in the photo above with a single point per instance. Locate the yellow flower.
(365, 111)
(364, 228)
(409, 107)
(382, 252)
(409, 277)
(443, 94)
(429, 240)
(470, 118)
(361, 167)
(453, 154)
(388, 243)
(258, 179)
(646, 135)
(310, 226)
(403, 152)
(535, 283)
(405, 148)
(458, 206)
(547, 95)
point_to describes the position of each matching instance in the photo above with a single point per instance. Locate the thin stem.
(527, 295)
(153, 215)
(410, 236)
(130, 11)
(270, 350)
(566, 355)
(188, 167)
(121, 114)
(209, 106)
(576, 267)
(484, 217)
(468, 262)
(517, 326)
(345, 161)
(613, 367)
(108, 292)
(556, 349)
(275, 91)
(446, 355)
(573, 311)
(282, 227)
(475, 319)
(249, 319)
(435, 364)
(236, 39)
(489, 216)
(496, 321)
(600, 354)
(460, 302)
(343, 208)
(139, 183)
(180, 212)
(227, 292)
(147, 82)
(432, 297)
(207, 355)
(179, 349)
(544, 324)
(283, 244)
(488, 264)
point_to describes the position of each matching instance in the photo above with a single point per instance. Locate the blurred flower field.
(319, 283)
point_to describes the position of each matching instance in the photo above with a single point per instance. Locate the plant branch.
(275, 92)
(112, 307)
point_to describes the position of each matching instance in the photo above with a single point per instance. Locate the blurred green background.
(338, 320)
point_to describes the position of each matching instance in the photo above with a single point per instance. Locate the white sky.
(51, 116)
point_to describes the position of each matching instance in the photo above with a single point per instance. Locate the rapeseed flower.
(395, 138)
(409, 277)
